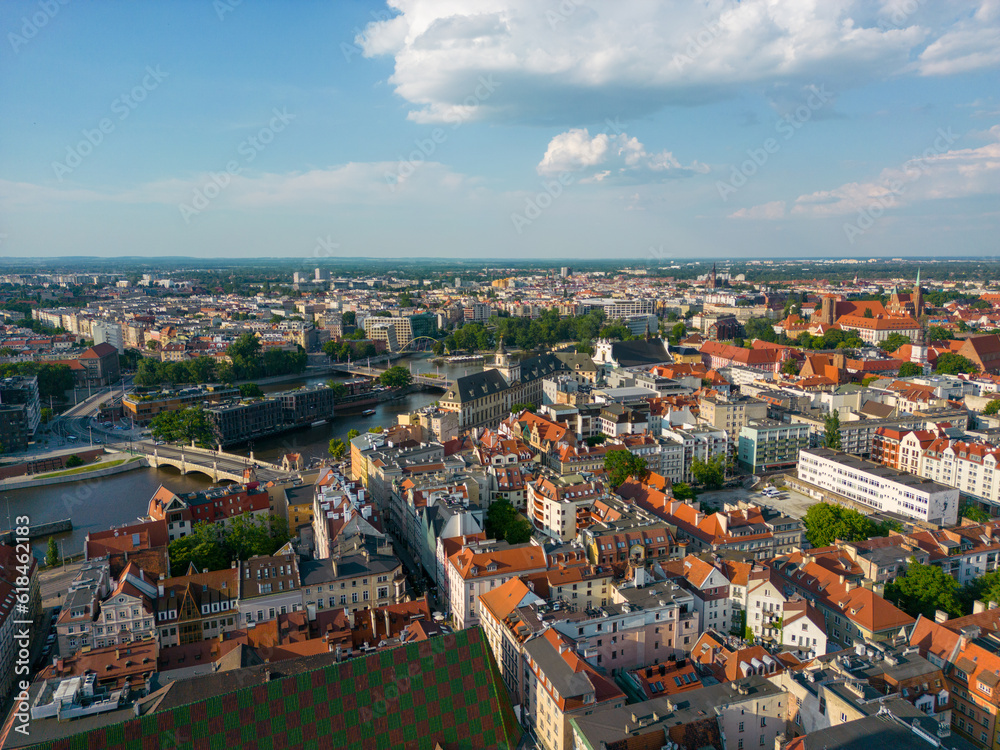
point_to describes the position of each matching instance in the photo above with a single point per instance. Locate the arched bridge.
(218, 465)
(373, 372)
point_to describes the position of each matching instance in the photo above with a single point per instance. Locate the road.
(226, 462)
(54, 583)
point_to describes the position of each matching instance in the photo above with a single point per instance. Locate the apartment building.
(364, 574)
(767, 445)
(731, 413)
(560, 506)
(196, 607)
(270, 585)
(128, 613)
(878, 487)
(217, 505)
(142, 405)
(473, 572)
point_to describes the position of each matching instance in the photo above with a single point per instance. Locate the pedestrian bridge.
(216, 464)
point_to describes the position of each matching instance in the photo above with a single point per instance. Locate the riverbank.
(81, 473)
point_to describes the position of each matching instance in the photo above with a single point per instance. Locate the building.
(614, 308)
(270, 585)
(473, 572)
(142, 405)
(22, 391)
(198, 606)
(100, 365)
(240, 421)
(731, 413)
(364, 574)
(561, 685)
(766, 445)
(108, 332)
(878, 488)
(559, 508)
(218, 505)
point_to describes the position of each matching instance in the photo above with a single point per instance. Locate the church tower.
(712, 280)
(918, 298)
(502, 363)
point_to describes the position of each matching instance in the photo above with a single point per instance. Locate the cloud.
(772, 210)
(938, 173)
(610, 157)
(355, 183)
(580, 61)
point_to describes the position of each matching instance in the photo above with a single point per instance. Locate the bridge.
(429, 381)
(216, 464)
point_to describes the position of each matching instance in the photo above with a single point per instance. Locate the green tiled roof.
(446, 689)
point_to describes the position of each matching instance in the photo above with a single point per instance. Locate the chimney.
(978, 606)
(118, 654)
(160, 589)
(942, 616)
(992, 605)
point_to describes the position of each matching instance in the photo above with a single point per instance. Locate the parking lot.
(791, 503)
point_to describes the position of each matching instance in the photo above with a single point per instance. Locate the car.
(71, 437)
(97, 442)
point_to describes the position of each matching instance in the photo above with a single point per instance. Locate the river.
(98, 504)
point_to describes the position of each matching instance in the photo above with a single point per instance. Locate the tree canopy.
(215, 546)
(337, 448)
(831, 436)
(992, 407)
(711, 473)
(893, 341)
(622, 464)
(504, 522)
(924, 589)
(396, 376)
(188, 424)
(826, 523)
(910, 369)
(950, 363)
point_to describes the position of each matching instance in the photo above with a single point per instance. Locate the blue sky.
(500, 128)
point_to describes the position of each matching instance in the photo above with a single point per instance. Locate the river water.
(98, 504)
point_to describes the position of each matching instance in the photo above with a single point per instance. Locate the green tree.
(504, 522)
(251, 390)
(620, 464)
(937, 333)
(973, 513)
(73, 461)
(893, 341)
(677, 332)
(349, 318)
(826, 523)
(51, 553)
(868, 313)
(711, 473)
(868, 380)
(337, 448)
(683, 491)
(924, 589)
(791, 367)
(189, 424)
(521, 406)
(351, 434)
(376, 430)
(129, 359)
(910, 369)
(46, 415)
(831, 438)
(339, 389)
(950, 363)
(396, 376)
(992, 407)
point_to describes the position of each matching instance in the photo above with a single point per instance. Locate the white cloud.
(583, 60)
(618, 157)
(355, 183)
(935, 174)
(772, 210)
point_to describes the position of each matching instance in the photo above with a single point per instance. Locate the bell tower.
(503, 364)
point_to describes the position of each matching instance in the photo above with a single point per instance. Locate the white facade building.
(879, 487)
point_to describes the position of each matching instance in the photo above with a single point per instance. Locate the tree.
(396, 376)
(189, 424)
(711, 473)
(992, 407)
(376, 430)
(337, 448)
(251, 390)
(46, 415)
(349, 318)
(339, 389)
(923, 590)
(522, 406)
(869, 379)
(791, 367)
(831, 439)
(215, 546)
(620, 464)
(677, 332)
(910, 369)
(51, 553)
(892, 342)
(950, 363)
(825, 523)
(73, 461)
(938, 333)
(868, 313)
(129, 359)
(504, 522)
(973, 513)
(683, 491)
(351, 434)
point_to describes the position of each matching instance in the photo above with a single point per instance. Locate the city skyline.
(563, 131)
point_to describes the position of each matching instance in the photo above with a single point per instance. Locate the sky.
(500, 129)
